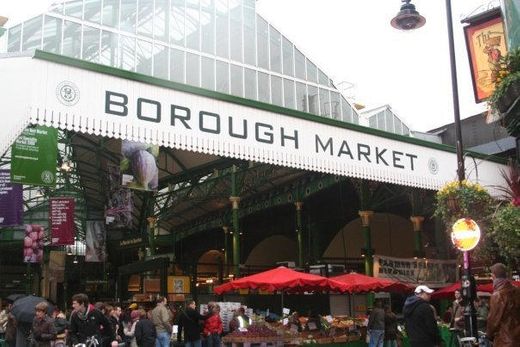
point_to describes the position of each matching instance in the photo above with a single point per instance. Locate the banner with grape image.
(139, 165)
(33, 243)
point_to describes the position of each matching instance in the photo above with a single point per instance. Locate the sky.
(368, 60)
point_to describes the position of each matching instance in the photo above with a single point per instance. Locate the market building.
(262, 160)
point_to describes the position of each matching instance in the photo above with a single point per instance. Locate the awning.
(72, 94)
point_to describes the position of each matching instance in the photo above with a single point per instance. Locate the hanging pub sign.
(11, 201)
(34, 156)
(33, 243)
(61, 221)
(95, 236)
(139, 165)
(431, 272)
(486, 44)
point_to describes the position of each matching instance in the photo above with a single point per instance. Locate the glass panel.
(389, 124)
(299, 65)
(398, 126)
(301, 97)
(406, 131)
(90, 44)
(236, 31)
(52, 35)
(193, 24)
(372, 122)
(145, 18)
(276, 90)
(250, 84)
(250, 3)
(192, 69)
(222, 29)
(262, 42)
(160, 61)
(346, 110)
(74, 9)
(249, 36)
(313, 97)
(92, 11)
(160, 24)
(57, 8)
(324, 80)
(237, 81)
(288, 93)
(263, 87)
(355, 118)
(72, 39)
(207, 23)
(222, 77)
(127, 54)
(208, 73)
(177, 65)
(32, 34)
(128, 15)
(109, 43)
(311, 72)
(335, 105)
(288, 62)
(111, 13)
(324, 102)
(381, 121)
(14, 38)
(143, 57)
(275, 49)
(177, 23)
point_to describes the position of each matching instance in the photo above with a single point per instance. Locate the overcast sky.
(352, 41)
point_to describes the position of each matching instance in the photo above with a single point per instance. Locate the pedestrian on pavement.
(145, 334)
(86, 321)
(161, 320)
(43, 332)
(390, 327)
(189, 321)
(420, 322)
(213, 327)
(503, 323)
(457, 309)
(376, 325)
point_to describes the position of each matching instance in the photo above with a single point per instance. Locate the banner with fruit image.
(33, 243)
(139, 165)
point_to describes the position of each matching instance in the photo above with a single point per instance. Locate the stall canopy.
(448, 292)
(358, 283)
(282, 279)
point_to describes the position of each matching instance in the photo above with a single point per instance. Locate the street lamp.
(405, 20)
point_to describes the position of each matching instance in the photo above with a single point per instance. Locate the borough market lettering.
(148, 110)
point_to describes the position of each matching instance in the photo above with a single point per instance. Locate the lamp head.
(408, 18)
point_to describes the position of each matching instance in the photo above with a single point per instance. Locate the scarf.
(83, 316)
(498, 283)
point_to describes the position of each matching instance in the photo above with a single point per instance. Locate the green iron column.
(417, 222)
(151, 234)
(368, 251)
(235, 200)
(299, 231)
(225, 228)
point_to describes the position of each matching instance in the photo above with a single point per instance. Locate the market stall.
(358, 283)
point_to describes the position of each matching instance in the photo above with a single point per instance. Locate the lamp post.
(409, 18)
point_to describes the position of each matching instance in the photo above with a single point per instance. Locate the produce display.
(254, 333)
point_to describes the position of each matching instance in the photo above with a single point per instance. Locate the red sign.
(61, 220)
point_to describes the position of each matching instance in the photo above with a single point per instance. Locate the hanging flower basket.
(465, 199)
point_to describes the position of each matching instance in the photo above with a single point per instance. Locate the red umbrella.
(282, 279)
(448, 292)
(358, 283)
(488, 287)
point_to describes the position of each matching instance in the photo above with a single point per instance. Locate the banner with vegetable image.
(33, 243)
(95, 239)
(11, 201)
(34, 157)
(139, 165)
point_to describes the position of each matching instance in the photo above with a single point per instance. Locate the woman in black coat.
(144, 331)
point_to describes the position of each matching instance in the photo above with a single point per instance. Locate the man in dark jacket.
(420, 322)
(503, 323)
(189, 321)
(86, 321)
(144, 331)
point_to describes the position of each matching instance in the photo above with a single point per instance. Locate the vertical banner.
(139, 165)
(11, 201)
(95, 240)
(33, 243)
(119, 207)
(61, 221)
(34, 156)
(486, 44)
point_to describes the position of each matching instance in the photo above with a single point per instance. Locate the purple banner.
(33, 244)
(61, 221)
(11, 201)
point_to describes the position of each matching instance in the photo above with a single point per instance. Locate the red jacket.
(213, 325)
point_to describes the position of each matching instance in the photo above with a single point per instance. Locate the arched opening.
(271, 250)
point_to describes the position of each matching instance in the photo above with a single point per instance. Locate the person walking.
(390, 327)
(161, 320)
(503, 323)
(129, 329)
(419, 318)
(86, 321)
(43, 332)
(144, 333)
(376, 325)
(189, 322)
(213, 327)
(457, 309)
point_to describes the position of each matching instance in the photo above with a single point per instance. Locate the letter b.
(116, 107)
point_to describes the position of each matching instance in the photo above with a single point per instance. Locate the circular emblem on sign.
(47, 177)
(433, 166)
(67, 93)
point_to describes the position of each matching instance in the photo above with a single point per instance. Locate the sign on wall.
(432, 272)
(61, 221)
(11, 201)
(34, 157)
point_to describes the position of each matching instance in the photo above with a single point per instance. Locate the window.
(193, 24)
(250, 84)
(92, 11)
(207, 24)
(324, 102)
(222, 77)
(335, 107)
(275, 49)
(208, 73)
(74, 9)
(32, 34)
(276, 91)
(72, 40)
(311, 72)
(313, 100)
(109, 43)
(14, 38)
(263, 87)
(262, 42)
(346, 111)
(301, 97)
(128, 15)
(288, 93)
(90, 44)
(143, 57)
(160, 27)
(52, 35)
(127, 53)
(235, 30)
(288, 61)
(160, 61)
(237, 80)
(222, 37)
(177, 65)
(145, 16)
(111, 13)
(192, 69)
(299, 64)
(249, 36)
